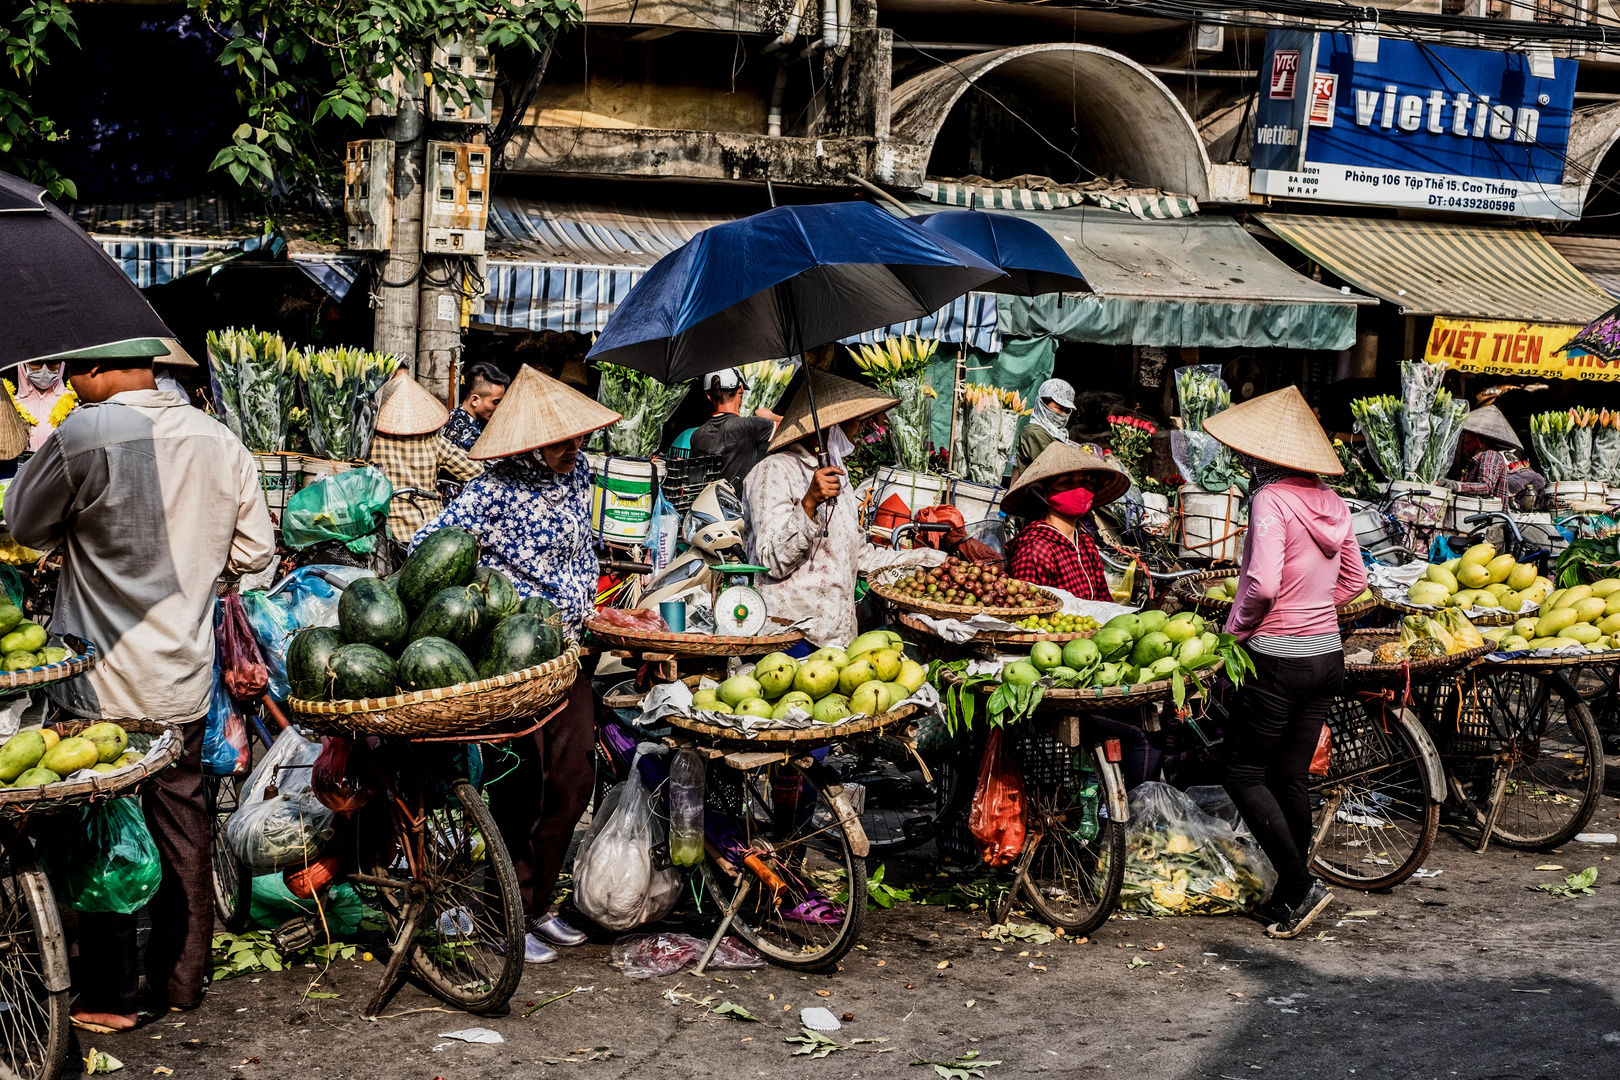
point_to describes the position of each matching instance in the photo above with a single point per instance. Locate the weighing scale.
(739, 609)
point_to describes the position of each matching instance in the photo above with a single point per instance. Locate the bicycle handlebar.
(1496, 515)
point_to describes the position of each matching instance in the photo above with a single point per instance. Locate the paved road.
(1465, 974)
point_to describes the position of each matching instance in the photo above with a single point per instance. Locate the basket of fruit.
(962, 588)
(1058, 628)
(1567, 617)
(47, 663)
(81, 761)
(620, 635)
(1492, 589)
(400, 661)
(1213, 591)
(861, 687)
(1412, 651)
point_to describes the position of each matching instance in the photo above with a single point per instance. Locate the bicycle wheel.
(1070, 880)
(468, 941)
(233, 882)
(1374, 820)
(1524, 739)
(780, 856)
(34, 1029)
(1597, 684)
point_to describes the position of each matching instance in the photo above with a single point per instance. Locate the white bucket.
(1465, 506)
(1564, 493)
(1418, 504)
(622, 498)
(975, 501)
(280, 477)
(1372, 529)
(897, 495)
(1156, 513)
(1212, 523)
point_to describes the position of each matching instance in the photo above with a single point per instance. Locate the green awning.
(1192, 282)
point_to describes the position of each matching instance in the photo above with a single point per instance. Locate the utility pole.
(394, 326)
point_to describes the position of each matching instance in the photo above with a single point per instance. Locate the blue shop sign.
(1413, 125)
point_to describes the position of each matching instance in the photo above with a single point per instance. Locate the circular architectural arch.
(1137, 128)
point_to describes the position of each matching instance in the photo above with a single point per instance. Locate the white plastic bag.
(618, 880)
(289, 827)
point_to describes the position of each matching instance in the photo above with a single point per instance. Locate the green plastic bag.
(107, 862)
(351, 506)
(273, 904)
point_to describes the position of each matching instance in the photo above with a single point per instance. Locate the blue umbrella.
(1033, 262)
(780, 283)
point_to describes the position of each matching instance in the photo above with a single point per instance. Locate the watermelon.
(431, 662)
(361, 671)
(539, 605)
(370, 614)
(458, 615)
(518, 642)
(307, 655)
(445, 559)
(499, 596)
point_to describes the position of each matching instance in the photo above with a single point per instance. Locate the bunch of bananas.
(896, 357)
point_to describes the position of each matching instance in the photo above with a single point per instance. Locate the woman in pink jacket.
(1300, 562)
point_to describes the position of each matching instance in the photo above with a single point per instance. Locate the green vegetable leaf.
(737, 1012)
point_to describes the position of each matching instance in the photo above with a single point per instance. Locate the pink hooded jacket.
(1301, 562)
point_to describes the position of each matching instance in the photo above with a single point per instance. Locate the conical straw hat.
(1106, 477)
(538, 411)
(1278, 427)
(13, 432)
(1490, 423)
(837, 400)
(410, 410)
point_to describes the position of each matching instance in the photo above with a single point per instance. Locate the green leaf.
(736, 1012)
(1178, 689)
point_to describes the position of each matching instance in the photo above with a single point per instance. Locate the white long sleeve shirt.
(152, 501)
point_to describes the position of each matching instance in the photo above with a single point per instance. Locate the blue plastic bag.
(306, 597)
(225, 749)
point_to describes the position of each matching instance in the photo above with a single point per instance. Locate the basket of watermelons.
(444, 647)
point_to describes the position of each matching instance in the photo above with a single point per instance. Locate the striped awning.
(1501, 272)
(1596, 257)
(1147, 206)
(971, 318)
(149, 261)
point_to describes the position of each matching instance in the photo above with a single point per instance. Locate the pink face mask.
(1071, 503)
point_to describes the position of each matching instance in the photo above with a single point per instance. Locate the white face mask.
(44, 378)
(838, 446)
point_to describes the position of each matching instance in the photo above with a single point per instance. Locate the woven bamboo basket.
(803, 737)
(1506, 618)
(997, 637)
(1400, 673)
(1186, 590)
(1104, 698)
(881, 585)
(469, 708)
(17, 801)
(1549, 662)
(692, 644)
(83, 659)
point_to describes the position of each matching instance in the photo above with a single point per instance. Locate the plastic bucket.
(622, 498)
(976, 501)
(1212, 523)
(1418, 504)
(318, 469)
(1156, 513)
(1465, 506)
(1565, 493)
(280, 476)
(898, 494)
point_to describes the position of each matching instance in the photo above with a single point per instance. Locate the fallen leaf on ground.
(1549, 866)
(1136, 962)
(943, 964)
(726, 1008)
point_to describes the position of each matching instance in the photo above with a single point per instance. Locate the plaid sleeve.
(454, 460)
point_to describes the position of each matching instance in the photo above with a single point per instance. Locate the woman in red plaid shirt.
(1059, 487)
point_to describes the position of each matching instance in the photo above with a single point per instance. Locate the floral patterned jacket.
(806, 574)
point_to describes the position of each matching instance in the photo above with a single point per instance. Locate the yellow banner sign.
(1510, 348)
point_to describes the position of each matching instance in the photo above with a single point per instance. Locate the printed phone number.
(1465, 203)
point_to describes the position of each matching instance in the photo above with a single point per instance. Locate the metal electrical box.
(467, 58)
(457, 208)
(368, 194)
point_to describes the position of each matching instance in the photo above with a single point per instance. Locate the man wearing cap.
(411, 452)
(1048, 423)
(486, 384)
(739, 441)
(152, 502)
(1491, 447)
(531, 512)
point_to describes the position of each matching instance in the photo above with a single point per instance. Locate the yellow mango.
(1525, 628)
(1500, 567)
(1563, 641)
(1441, 576)
(1610, 624)
(1497, 588)
(1611, 604)
(1588, 610)
(1510, 600)
(1535, 595)
(1514, 643)
(1554, 621)
(1550, 601)
(1578, 592)
(1524, 575)
(1585, 633)
(1473, 576)
(1478, 555)
(1605, 587)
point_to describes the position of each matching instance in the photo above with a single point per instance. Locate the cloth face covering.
(1071, 503)
(45, 378)
(1045, 417)
(1264, 472)
(838, 447)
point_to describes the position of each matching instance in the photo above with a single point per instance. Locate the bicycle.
(35, 1033)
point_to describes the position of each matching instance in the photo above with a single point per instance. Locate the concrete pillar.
(394, 324)
(438, 339)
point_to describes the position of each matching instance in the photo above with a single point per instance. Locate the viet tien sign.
(1420, 126)
(1483, 347)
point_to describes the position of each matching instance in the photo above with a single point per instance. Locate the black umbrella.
(63, 294)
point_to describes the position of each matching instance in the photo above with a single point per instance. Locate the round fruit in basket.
(968, 584)
(1058, 623)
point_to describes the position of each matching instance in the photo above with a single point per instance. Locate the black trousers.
(106, 970)
(540, 800)
(1266, 765)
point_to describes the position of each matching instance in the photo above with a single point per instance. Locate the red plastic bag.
(645, 620)
(1322, 759)
(240, 661)
(338, 780)
(997, 817)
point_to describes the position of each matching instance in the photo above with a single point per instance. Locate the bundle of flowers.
(644, 405)
(899, 368)
(254, 382)
(989, 430)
